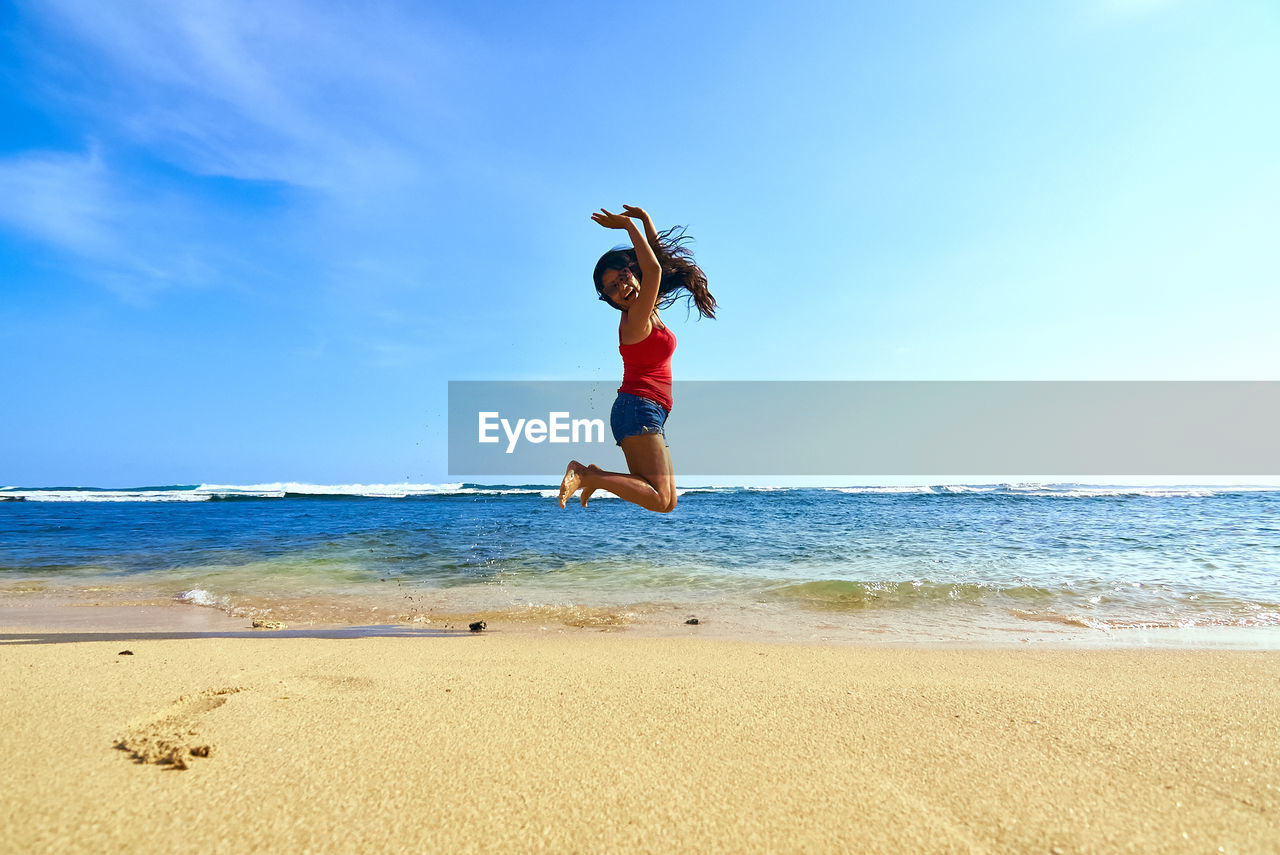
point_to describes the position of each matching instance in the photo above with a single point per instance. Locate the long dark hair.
(679, 272)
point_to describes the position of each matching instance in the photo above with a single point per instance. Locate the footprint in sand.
(170, 736)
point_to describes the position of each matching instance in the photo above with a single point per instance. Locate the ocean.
(1009, 563)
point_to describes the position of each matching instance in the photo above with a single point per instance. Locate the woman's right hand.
(611, 221)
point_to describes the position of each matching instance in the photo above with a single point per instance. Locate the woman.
(636, 282)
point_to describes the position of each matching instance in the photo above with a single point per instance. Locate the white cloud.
(347, 130)
(58, 198)
(336, 97)
(132, 244)
(358, 105)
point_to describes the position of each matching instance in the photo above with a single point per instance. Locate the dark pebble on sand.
(125, 653)
(692, 621)
(477, 626)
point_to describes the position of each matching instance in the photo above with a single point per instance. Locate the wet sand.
(588, 741)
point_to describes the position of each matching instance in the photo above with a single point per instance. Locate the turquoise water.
(934, 563)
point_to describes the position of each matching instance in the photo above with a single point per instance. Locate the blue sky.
(246, 242)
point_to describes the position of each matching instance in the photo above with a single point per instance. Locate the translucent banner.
(883, 428)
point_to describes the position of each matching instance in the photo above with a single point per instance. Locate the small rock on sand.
(260, 623)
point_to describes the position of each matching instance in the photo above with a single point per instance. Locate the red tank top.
(646, 366)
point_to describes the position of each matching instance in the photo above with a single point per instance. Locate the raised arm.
(650, 269)
(642, 215)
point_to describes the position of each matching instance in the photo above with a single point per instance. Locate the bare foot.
(587, 491)
(571, 482)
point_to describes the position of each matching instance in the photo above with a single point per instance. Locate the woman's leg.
(651, 482)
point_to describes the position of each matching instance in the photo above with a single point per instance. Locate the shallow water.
(930, 563)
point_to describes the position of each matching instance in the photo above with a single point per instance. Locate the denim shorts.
(636, 416)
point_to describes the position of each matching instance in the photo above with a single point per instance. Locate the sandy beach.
(583, 741)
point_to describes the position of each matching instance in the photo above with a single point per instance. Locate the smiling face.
(620, 286)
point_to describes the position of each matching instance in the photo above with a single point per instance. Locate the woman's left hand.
(611, 221)
(636, 213)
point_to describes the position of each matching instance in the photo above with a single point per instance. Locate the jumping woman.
(637, 282)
